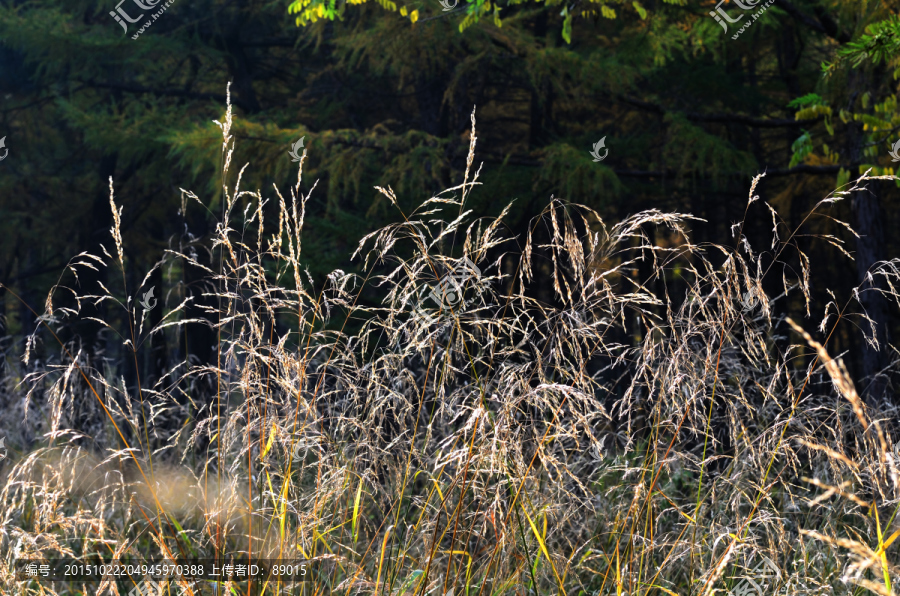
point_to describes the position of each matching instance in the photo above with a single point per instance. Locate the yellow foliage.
(467, 22)
(813, 112)
(874, 123)
(640, 9)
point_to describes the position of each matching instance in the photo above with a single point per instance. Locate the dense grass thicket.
(660, 427)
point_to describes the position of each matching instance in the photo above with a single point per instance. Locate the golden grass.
(636, 436)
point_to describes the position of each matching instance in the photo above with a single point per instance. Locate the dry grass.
(656, 430)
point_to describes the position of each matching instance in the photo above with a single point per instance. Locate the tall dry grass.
(656, 429)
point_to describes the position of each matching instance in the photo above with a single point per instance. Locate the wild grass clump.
(657, 426)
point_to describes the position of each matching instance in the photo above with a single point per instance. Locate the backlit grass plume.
(590, 409)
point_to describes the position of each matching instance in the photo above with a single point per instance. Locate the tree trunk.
(867, 220)
(537, 107)
(241, 70)
(429, 97)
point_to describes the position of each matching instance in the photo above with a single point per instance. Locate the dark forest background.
(382, 94)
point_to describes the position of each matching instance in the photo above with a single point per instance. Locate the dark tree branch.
(808, 169)
(825, 24)
(272, 43)
(801, 169)
(40, 270)
(724, 118)
(521, 160)
(169, 93)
